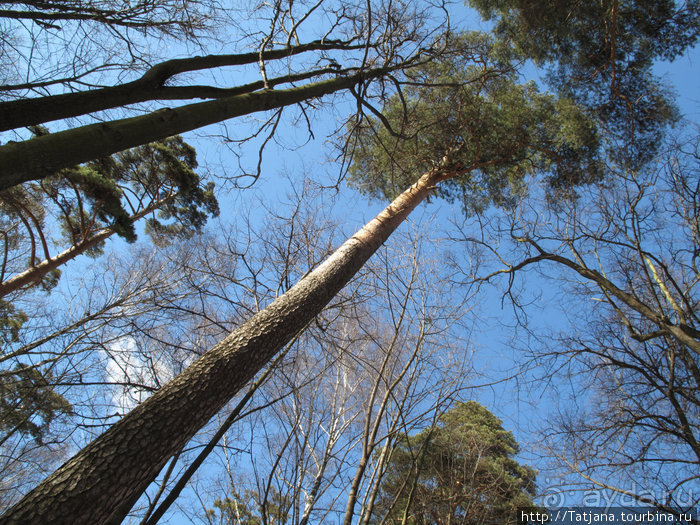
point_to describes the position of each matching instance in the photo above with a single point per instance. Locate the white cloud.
(135, 373)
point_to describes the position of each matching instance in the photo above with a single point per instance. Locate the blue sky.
(495, 353)
(523, 409)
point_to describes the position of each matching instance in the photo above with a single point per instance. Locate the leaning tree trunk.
(34, 274)
(104, 480)
(151, 86)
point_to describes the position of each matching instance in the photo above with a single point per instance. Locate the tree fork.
(42, 156)
(105, 479)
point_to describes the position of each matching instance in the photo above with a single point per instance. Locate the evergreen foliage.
(236, 510)
(11, 321)
(600, 54)
(460, 471)
(28, 403)
(104, 188)
(232, 511)
(112, 192)
(493, 129)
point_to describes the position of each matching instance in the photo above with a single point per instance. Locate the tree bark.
(42, 156)
(104, 480)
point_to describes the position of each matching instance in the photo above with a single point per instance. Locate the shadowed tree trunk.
(151, 86)
(104, 480)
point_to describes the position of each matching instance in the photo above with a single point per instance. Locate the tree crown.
(460, 470)
(469, 109)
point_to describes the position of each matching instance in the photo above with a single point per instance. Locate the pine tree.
(98, 199)
(460, 471)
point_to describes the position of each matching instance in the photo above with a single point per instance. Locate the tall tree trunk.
(42, 156)
(104, 480)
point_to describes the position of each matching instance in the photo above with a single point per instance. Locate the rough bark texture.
(103, 481)
(41, 156)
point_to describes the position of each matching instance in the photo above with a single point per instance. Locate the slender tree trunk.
(104, 480)
(371, 428)
(35, 273)
(376, 483)
(42, 156)
(233, 416)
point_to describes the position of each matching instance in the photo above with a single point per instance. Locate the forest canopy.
(188, 332)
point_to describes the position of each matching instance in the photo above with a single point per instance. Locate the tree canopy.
(601, 54)
(82, 206)
(470, 110)
(462, 470)
(439, 111)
